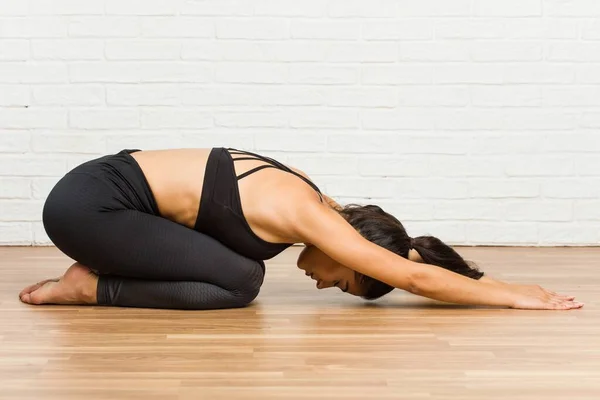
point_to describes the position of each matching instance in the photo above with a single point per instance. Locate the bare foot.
(76, 286)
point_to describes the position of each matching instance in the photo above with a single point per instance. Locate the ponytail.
(433, 251)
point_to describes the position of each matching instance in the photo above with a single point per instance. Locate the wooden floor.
(296, 342)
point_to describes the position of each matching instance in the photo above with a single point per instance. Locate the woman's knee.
(247, 285)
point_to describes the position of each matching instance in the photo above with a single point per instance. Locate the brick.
(251, 119)
(14, 7)
(144, 95)
(506, 51)
(15, 188)
(395, 166)
(479, 210)
(69, 95)
(20, 210)
(219, 137)
(362, 52)
(360, 97)
(539, 165)
(33, 72)
(67, 49)
(146, 140)
(586, 210)
(324, 164)
(322, 74)
(33, 117)
(291, 140)
(508, 8)
(242, 95)
(105, 26)
(104, 118)
(506, 96)
(14, 50)
(142, 49)
(501, 232)
(359, 8)
(572, 8)
(168, 27)
(462, 73)
(15, 233)
(587, 165)
(400, 118)
(41, 187)
(433, 95)
(29, 165)
(537, 73)
(316, 29)
(14, 95)
(434, 8)
(587, 73)
(217, 7)
(498, 188)
(134, 72)
(570, 188)
(255, 28)
(433, 51)
(405, 29)
(250, 73)
(69, 142)
(571, 233)
(66, 7)
(14, 141)
(324, 118)
(364, 142)
(33, 27)
(395, 75)
(480, 28)
(141, 7)
(289, 8)
(574, 51)
(574, 96)
(165, 117)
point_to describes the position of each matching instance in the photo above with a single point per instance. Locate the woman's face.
(328, 272)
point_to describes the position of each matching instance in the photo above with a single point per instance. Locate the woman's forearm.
(440, 284)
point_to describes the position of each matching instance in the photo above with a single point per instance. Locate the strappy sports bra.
(220, 215)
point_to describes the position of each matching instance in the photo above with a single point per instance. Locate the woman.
(165, 229)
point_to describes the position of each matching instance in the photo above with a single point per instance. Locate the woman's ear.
(413, 255)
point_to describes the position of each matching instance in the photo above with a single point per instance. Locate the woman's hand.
(535, 297)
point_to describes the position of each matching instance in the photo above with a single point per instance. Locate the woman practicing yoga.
(165, 229)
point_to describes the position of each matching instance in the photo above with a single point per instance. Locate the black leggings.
(103, 215)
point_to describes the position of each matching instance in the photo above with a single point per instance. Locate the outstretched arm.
(323, 227)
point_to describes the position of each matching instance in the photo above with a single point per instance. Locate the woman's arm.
(323, 227)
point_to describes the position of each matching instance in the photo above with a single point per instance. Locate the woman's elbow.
(419, 283)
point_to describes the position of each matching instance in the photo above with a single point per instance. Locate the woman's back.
(176, 177)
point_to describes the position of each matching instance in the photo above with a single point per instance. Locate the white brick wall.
(472, 120)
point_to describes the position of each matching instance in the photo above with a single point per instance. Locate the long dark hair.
(387, 231)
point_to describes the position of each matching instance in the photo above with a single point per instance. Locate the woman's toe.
(42, 295)
(36, 286)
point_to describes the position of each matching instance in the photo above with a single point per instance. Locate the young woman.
(190, 228)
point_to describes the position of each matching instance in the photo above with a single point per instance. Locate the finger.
(569, 305)
(556, 294)
(562, 296)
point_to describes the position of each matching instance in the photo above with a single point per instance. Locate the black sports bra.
(220, 215)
